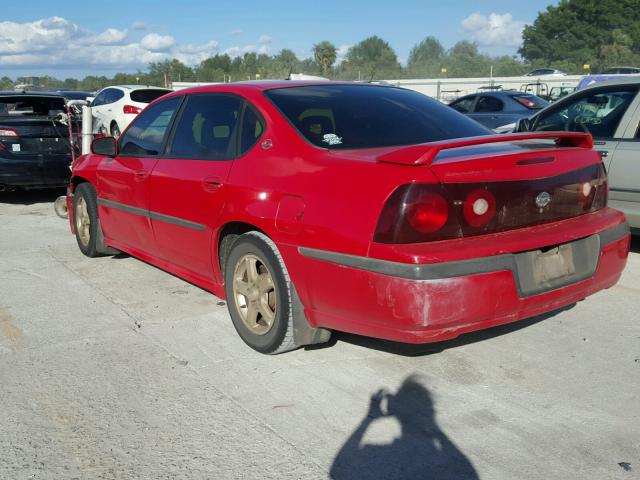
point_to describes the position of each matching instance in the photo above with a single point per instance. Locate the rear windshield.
(367, 116)
(147, 95)
(31, 105)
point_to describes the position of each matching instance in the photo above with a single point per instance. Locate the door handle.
(211, 184)
(603, 153)
(140, 176)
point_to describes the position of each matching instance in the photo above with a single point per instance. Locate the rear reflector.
(131, 109)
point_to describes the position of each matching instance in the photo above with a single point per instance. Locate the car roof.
(262, 85)
(136, 87)
(613, 82)
(30, 93)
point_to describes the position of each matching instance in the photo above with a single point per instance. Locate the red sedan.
(314, 207)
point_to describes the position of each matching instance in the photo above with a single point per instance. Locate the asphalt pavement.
(113, 369)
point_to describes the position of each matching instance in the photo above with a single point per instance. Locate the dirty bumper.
(431, 302)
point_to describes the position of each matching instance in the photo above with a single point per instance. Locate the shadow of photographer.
(423, 451)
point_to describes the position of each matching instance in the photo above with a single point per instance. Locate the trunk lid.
(35, 135)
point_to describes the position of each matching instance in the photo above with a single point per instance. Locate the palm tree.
(325, 54)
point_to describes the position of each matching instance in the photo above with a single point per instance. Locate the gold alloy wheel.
(83, 221)
(254, 294)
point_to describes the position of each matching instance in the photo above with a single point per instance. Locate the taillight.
(527, 102)
(131, 109)
(8, 133)
(428, 213)
(418, 212)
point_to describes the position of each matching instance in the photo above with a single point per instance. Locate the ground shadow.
(412, 350)
(423, 450)
(30, 197)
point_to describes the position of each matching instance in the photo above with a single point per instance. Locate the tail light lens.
(430, 212)
(131, 109)
(8, 133)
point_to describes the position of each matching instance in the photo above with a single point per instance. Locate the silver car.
(610, 112)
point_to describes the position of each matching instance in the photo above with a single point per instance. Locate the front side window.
(463, 105)
(100, 99)
(146, 134)
(597, 113)
(207, 128)
(369, 116)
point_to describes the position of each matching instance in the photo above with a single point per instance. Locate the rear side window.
(489, 104)
(147, 95)
(252, 128)
(207, 128)
(367, 116)
(146, 134)
(598, 113)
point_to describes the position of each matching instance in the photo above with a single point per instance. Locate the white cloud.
(238, 51)
(157, 43)
(265, 39)
(341, 53)
(58, 43)
(236, 32)
(494, 30)
(110, 36)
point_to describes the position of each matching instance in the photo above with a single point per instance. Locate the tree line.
(598, 33)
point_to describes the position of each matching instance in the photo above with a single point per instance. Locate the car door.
(187, 189)
(123, 181)
(488, 111)
(624, 167)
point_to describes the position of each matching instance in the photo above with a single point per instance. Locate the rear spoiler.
(426, 153)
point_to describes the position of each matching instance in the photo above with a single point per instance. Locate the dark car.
(75, 94)
(622, 71)
(494, 109)
(34, 143)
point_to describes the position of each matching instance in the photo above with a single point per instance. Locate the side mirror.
(105, 146)
(90, 99)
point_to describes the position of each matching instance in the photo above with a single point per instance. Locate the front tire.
(86, 222)
(259, 294)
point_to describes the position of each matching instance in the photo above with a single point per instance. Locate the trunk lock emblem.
(543, 199)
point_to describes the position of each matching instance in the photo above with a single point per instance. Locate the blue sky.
(72, 38)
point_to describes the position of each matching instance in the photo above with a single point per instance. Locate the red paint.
(301, 195)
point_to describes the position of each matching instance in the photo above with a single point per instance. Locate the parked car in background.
(542, 72)
(113, 108)
(610, 112)
(319, 206)
(34, 143)
(622, 71)
(493, 109)
(75, 94)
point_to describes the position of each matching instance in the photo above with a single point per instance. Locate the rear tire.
(259, 294)
(87, 224)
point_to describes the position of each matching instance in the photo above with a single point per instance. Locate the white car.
(113, 108)
(546, 72)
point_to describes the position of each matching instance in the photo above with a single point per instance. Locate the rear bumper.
(34, 171)
(420, 303)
